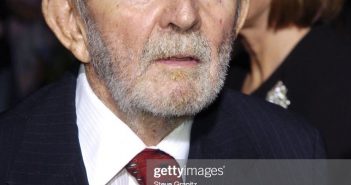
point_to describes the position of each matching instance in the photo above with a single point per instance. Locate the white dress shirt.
(108, 144)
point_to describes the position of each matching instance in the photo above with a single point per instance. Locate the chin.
(175, 99)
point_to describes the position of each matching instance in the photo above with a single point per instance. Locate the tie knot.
(143, 165)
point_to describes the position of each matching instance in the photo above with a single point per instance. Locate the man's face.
(164, 57)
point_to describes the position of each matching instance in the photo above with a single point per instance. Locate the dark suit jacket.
(39, 138)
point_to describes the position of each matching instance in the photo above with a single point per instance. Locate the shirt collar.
(108, 144)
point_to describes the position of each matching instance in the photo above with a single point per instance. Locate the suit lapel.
(50, 151)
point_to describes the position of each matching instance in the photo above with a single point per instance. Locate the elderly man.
(151, 70)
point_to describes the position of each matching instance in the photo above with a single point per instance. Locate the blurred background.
(30, 55)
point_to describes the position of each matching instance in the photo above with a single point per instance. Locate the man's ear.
(243, 13)
(61, 17)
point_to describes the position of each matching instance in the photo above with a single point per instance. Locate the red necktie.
(146, 175)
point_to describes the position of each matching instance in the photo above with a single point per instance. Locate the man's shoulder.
(256, 129)
(41, 100)
(38, 112)
(49, 100)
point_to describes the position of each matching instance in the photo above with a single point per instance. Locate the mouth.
(179, 61)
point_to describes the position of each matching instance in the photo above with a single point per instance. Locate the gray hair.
(83, 11)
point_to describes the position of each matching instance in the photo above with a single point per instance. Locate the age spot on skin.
(117, 5)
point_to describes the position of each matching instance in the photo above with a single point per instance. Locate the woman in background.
(298, 60)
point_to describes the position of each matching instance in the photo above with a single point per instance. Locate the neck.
(149, 128)
(267, 49)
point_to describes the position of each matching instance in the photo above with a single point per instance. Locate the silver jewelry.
(278, 95)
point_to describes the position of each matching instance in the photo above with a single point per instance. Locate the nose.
(181, 15)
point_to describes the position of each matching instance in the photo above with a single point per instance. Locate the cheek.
(225, 25)
(219, 37)
(125, 48)
(128, 27)
(219, 14)
(120, 34)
